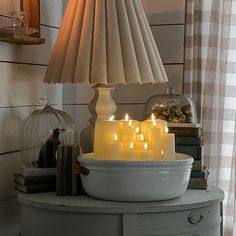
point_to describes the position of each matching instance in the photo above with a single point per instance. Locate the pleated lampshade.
(106, 42)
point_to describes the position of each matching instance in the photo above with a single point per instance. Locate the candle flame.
(166, 129)
(115, 137)
(162, 153)
(112, 117)
(153, 117)
(126, 117)
(131, 146)
(141, 137)
(154, 123)
(145, 146)
(130, 123)
(137, 129)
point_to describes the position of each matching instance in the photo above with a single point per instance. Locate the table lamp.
(104, 43)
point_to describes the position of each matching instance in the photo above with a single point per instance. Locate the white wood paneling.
(34, 54)
(79, 114)
(164, 11)
(9, 217)
(50, 12)
(77, 94)
(9, 164)
(170, 42)
(23, 85)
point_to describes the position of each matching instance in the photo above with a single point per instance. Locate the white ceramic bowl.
(123, 180)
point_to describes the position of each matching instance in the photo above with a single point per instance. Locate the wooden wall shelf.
(20, 39)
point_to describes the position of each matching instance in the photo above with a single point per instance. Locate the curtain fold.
(210, 79)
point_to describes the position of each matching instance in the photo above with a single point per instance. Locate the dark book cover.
(36, 188)
(194, 151)
(185, 141)
(186, 131)
(31, 180)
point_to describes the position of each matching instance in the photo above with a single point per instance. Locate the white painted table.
(196, 213)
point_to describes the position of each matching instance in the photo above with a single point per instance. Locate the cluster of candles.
(129, 139)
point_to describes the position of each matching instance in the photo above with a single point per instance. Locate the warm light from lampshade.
(106, 42)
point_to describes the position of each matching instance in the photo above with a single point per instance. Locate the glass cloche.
(171, 107)
(42, 132)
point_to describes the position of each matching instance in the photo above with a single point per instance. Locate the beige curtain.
(210, 79)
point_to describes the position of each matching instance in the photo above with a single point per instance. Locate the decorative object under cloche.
(43, 131)
(171, 107)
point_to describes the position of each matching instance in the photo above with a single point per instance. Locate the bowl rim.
(182, 160)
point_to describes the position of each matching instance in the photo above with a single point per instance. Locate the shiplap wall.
(166, 18)
(22, 69)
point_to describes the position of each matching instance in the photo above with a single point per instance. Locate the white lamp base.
(102, 107)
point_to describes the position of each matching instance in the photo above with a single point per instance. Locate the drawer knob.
(195, 217)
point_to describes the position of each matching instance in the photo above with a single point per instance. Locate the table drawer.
(199, 217)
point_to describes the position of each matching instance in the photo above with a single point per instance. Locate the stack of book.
(189, 140)
(68, 182)
(34, 184)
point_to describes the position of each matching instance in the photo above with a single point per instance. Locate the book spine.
(199, 174)
(198, 164)
(59, 170)
(36, 180)
(69, 170)
(186, 131)
(38, 188)
(185, 141)
(197, 183)
(64, 170)
(194, 151)
(75, 154)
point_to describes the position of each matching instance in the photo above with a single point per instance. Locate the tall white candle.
(168, 145)
(155, 142)
(128, 135)
(104, 137)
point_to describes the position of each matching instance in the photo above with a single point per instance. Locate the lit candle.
(147, 124)
(114, 150)
(104, 137)
(128, 135)
(145, 154)
(130, 154)
(155, 140)
(168, 145)
(139, 144)
(162, 154)
(125, 122)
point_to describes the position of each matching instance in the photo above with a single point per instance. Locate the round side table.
(195, 213)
